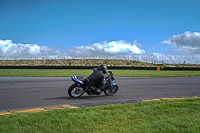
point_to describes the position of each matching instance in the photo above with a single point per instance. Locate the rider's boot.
(96, 90)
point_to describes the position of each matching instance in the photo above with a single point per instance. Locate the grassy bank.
(88, 62)
(85, 73)
(158, 116)
(75, 62)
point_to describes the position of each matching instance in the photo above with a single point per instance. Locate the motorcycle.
(80, 87)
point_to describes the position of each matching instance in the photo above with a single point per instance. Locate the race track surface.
(22, 92)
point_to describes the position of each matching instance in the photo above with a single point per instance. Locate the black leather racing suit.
(94, 79)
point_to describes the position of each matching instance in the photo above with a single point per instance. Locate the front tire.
(111, 90)
(75, 91)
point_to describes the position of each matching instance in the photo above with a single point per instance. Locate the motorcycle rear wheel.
(111, 90)
(75, 91)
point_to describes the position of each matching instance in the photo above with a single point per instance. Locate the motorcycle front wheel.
(75, 91)
(111, 90)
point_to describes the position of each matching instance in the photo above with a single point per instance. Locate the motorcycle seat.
(81, 78)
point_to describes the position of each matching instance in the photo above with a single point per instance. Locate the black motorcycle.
(80, 87)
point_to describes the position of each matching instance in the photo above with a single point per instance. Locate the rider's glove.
(103, 82)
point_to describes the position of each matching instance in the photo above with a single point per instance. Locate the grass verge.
(85, 73)
(158, 116)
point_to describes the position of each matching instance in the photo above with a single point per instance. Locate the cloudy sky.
(167, 30)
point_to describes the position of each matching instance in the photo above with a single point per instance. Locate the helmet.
(103, 68)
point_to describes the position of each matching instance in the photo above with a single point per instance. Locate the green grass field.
(180, 116)
(158, 116)
(85, 73)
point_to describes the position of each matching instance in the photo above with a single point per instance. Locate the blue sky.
(66, 25)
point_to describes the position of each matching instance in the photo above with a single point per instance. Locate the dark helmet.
(104, 68)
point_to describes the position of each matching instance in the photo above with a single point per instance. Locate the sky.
(146, 30)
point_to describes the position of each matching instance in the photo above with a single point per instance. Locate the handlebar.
(110, 76)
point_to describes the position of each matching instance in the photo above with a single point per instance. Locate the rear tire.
(75, 91)
(111, 90)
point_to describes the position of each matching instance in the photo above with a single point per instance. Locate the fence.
(67, 57)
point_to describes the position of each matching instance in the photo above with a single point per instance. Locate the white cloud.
(185, 43)
(105, 48)
(10, 49)
(170, 58)
(125, 50)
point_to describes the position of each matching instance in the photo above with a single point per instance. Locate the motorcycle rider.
(96, 77)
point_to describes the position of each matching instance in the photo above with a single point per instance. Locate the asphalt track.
(28, 92)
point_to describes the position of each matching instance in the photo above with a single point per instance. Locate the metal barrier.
(109, 67)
